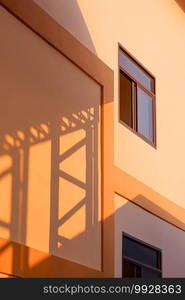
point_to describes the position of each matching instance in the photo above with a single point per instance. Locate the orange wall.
(5, 276)
(153, 31)
(49, 148)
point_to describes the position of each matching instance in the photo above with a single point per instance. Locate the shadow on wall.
(150, 229)
(27, 262)
(49, 148)
(68, 14)
(74, 200)
(49, 159)
(181, 3)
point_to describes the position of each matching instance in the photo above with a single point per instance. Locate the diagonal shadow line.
(73, 149)
(72, 179)
(62, 239)
(4, 247)
(71, 212)
(5, 172)
(4, 224)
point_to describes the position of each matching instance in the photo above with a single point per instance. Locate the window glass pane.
(128, 269)
(125, 99)
(139, 252)
(147, 273)
(144, 114)
(131, 270)
(130, 66)
(137, 271)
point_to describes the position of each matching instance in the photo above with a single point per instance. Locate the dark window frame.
(139, 263)
(152, 94)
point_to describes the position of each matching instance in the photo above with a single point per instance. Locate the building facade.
(92, 138)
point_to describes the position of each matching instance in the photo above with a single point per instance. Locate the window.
(140, 259)
(137, 97)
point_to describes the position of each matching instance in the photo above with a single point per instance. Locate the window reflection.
(137, 97)
(140, 260)
(135, 71)
(144, 114)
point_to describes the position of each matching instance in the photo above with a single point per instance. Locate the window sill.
(153, 144)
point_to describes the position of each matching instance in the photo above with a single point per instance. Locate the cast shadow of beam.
(181, 3)
(68, 14)
(28, 262)
(39, 111)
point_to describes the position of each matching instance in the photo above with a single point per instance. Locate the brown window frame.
(136, 83)
(139, 263)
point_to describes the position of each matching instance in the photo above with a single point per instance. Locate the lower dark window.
(139, 259)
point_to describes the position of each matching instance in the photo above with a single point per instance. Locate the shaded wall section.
(133, 220)
(181, 3)
(68, 14)
(49, 148)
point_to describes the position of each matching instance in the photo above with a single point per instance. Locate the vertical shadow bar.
(54, 209)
